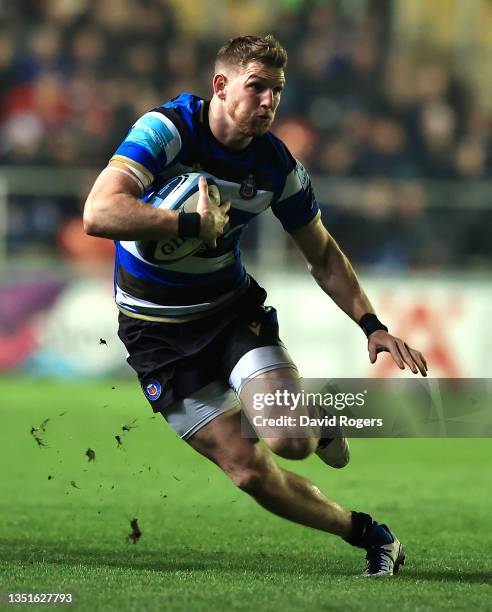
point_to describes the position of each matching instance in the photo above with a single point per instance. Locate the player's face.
(253, 95)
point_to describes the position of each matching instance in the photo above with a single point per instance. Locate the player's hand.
(213, 214)
(381, 341)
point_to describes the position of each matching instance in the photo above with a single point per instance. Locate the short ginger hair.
(242, 50)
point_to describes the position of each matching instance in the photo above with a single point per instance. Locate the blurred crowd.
(369, 112)
(75, 75)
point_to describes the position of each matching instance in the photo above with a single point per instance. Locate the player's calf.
(255, 475)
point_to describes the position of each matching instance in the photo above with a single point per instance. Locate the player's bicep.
(104, 196)
(114, 180)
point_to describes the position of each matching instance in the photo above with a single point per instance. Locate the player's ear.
(219, 84)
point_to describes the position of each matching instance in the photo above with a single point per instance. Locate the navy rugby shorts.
(192, 372)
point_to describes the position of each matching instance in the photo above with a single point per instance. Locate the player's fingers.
(419, 360)
(203, 186)
(221, 228)
(395, 353)
(406, 356)
(373, 354)
(225, 206)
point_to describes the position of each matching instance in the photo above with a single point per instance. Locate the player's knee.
(292, 448)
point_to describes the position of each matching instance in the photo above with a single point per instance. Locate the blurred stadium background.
(388, 104)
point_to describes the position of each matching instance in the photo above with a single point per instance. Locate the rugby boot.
(384, 560)
(335, 451)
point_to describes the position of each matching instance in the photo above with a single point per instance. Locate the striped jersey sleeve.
(296, 207)
(157, 139)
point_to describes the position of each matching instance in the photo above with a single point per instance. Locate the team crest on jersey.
(152, 390)
(255, 327)
(248, 188)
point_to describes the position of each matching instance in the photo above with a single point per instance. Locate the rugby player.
(197, 330)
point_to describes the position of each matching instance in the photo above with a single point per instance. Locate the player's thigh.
(274, 389)
(272, 401)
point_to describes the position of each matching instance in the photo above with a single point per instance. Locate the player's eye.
(256, 86)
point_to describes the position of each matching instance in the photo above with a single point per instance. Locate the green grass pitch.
(204, 544)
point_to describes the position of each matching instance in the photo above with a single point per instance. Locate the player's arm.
(335, 275)
(113, 210)
(332, 269)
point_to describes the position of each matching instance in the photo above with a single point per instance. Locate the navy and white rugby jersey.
(176, 137)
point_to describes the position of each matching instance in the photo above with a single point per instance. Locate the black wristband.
(188, 224)
(370, 323)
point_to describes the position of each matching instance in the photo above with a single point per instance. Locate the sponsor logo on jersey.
(151, 133)
(302, 175)
(152, 390)
(248, 188)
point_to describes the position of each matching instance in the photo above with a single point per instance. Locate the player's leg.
(210, 421)
(291, 441)
(284, 437)
(255, 354)
(251, 466)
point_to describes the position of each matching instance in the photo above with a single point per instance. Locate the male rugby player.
(196, 330)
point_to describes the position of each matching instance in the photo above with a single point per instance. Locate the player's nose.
(267, 99)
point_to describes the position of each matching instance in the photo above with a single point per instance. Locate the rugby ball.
(177, 193)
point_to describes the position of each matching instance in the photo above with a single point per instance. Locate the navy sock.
(366, 532)
(379, 535)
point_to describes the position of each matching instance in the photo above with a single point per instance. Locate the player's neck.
(223, 128)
